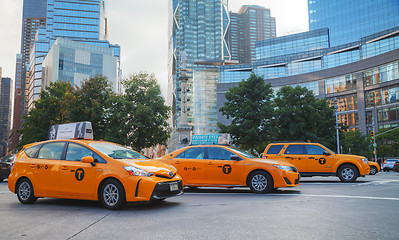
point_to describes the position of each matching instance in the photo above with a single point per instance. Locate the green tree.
(355, 142)
(91, 103)
(53, 107)
(139, 117)
(387, 143)
(300, 116)
(251, 110)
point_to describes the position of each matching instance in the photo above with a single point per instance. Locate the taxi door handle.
(287, 157)
(33, 165)
(64, 168)
(211, 163)
(177, 162)
(311, 157)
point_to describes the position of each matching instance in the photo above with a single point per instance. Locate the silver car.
(388, 165)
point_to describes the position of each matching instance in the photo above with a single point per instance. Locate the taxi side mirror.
(326, 153)
(88, 159)
(235, 157)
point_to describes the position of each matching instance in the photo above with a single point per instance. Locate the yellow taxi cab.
(314, 159)
(90, 170)
(223, 166)
(374, 168)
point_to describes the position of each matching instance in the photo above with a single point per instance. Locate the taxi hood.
(152, 166)
(273, 161)
(349, 156)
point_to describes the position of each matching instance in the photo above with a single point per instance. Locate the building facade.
(349, 21)
(362, 77)
(5, 113)
(198, 28)
(251, 23)
(73, 62)
(77, 20)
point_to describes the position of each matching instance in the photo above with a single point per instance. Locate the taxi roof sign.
(79, 130)
(211, 139)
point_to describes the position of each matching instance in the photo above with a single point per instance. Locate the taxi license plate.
(173, 187)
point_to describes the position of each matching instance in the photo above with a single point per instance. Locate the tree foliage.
(51, 108)
(250, 107)
(300, 116)
(387, 143)
(355, 142)
(144, 124)
(294, 114)
(136, 118)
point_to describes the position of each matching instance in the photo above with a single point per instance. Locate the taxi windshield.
(328, 149)
(245, 154)
(116, 151)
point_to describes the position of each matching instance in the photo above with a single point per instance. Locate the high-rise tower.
(200, 28)
(349, 21)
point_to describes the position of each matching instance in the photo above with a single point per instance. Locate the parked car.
(5, 165)
(396, 166)
(374, 168)
(388, 164)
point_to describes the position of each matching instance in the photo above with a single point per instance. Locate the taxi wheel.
(347, 173)
(25, 192)
(260, 182)
(373, 170)
(112, 194)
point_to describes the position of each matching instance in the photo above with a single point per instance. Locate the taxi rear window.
(32, 151)
(274, 149)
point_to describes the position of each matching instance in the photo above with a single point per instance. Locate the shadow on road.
(237, 190)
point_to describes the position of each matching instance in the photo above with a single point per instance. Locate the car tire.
(348, 173)
(260, 182)
(112, 194)
(25, 192)
(373, 170)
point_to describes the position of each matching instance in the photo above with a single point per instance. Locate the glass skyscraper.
(349, 21)
(78, 20)
(198, 27)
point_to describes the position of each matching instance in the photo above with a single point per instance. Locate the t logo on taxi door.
(226, 169)
(79, 174)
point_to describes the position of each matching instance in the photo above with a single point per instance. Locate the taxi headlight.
(282, 167)
(137, 171)
(364, 160)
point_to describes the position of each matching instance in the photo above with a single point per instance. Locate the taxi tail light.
(265, 157)
(14, 159)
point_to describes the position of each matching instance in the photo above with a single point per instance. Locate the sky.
(141, 29)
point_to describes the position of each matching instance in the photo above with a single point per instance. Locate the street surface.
(321, 208)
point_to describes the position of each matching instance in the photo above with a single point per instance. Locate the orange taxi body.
(314, 159)
(214, 166)
(63, 169)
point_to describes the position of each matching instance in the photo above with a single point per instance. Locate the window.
(314, 150)
(216, 153)
(295, 149)
(274, 149)
(76, 152)
(193, 153)
(51, 151)
(32, 151)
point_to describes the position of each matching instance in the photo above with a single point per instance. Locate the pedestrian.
(379, 161)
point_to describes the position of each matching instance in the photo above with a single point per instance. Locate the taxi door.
(45, 168)
(295, 154)
(77, 178)
(221, 170)
(318, 161)
(191, 165)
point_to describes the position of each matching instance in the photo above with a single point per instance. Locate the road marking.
(304, 195)
(379, 182)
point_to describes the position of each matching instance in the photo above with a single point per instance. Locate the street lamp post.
(336, 123)
(374, 128)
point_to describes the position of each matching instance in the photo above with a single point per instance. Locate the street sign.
(211, 139)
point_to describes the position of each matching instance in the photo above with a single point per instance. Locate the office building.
(348, 21)
(251, 23)
(18, 104)
(5, 113)
(73, 62)
(77, 20)
(199, 28)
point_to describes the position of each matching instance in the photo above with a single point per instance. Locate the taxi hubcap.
(259, 182)
(347, 173)
(24, 191)
(372, 171)
(111, 194)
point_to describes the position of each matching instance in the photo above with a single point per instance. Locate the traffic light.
(372, 134)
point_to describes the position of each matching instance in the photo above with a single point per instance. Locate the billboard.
(79, 130)
(211, 139)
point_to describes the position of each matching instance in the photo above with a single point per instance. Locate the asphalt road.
(321, 208)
